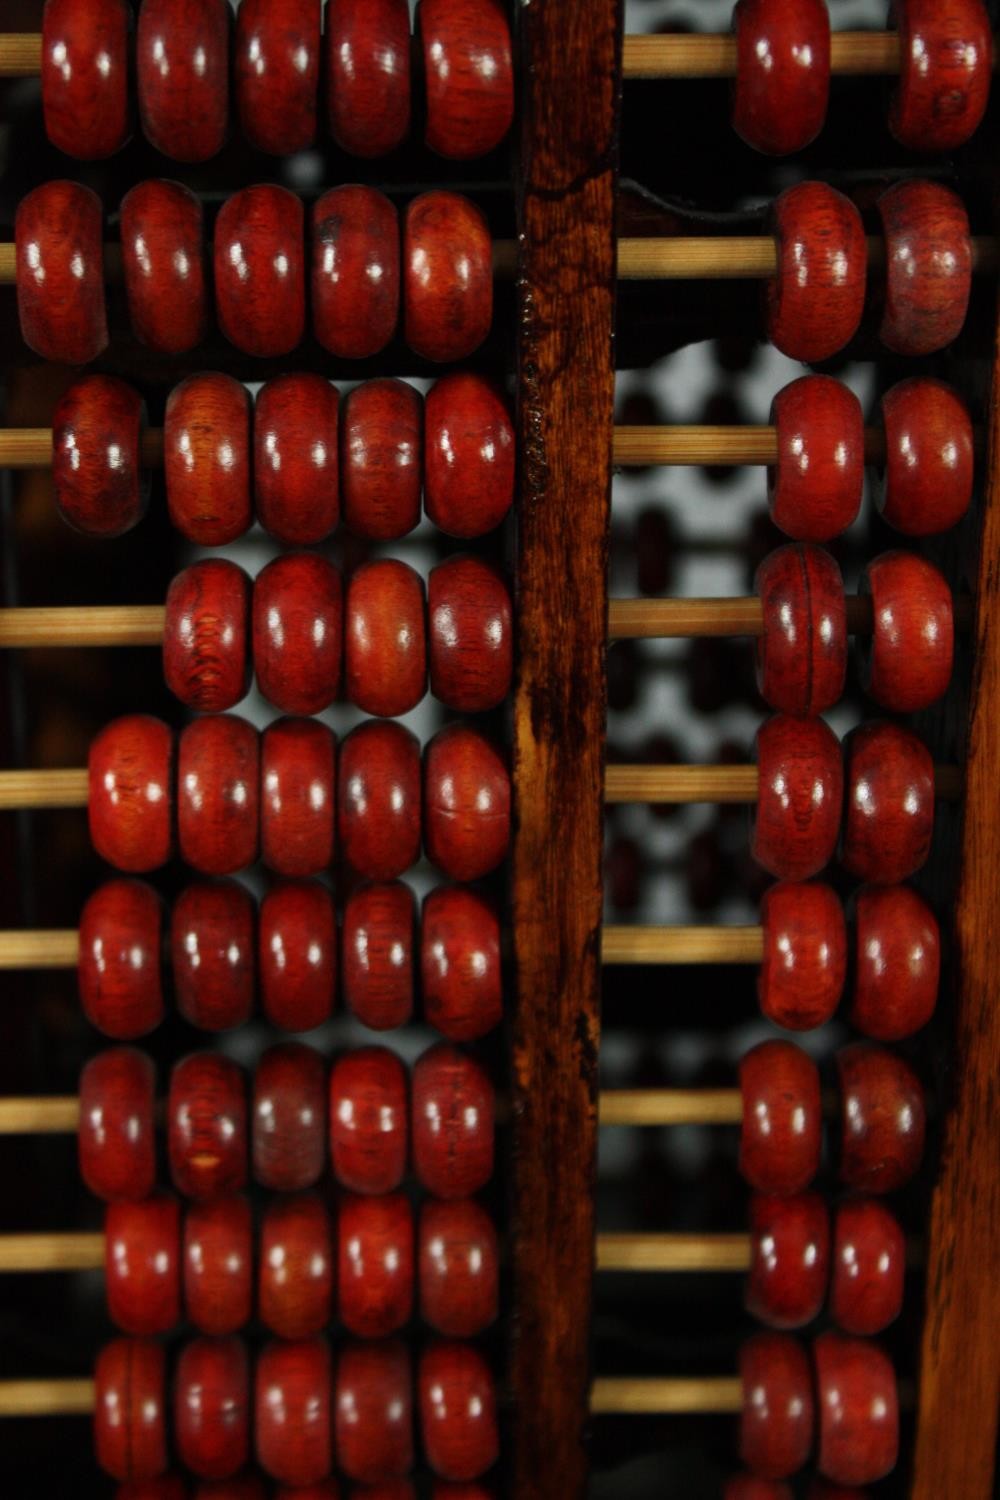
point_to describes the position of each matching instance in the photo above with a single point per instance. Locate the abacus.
(377, 1119)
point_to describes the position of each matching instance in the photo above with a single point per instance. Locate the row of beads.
(182, 59)
(783, 72)
(288, 795)
(359, 272)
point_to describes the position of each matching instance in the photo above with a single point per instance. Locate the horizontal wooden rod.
(83, 625)
(69, 1251)
(44, 948)
(46, 1398)
(672, 945)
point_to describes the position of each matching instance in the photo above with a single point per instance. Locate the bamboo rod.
(51, 1252)
(46, 1398)
(663, 1252)
(57, 948)
(43, 788)
(53, 1115)
(627, 1395)
(676, 945)
(83, 625)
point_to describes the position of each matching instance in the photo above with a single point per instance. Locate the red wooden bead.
(218, 794)
(928, 258)
(458, 1418)
(293, 1409)
(378, 940)
(295, 1291)
(944, 82)
(163, 253)
(260, 288)
(382, 458)
(206, 661)
(802, 654)
(207, 1126)
(130, 1429)
(212, 948)
(460, 963)
(858, 1410)
(869, 1267)
(373, 1408)
(750, 1487)
(453, 1123)
(789, 1259)
(131, 792)
(58, 230)
(782, 1122)
(814, 489)
(908, 664)
(782, 73)
(355, 271)
(814, 303)
(469, 447)
(289, 1118)
(378, 800)
(212, 1407)
(778, 1418)
(897, 962)
(296, 485)
(469, 75)
(97, 476)
(142, 1278)
(85, 76)
(297, 955)
(297, 777)
(466, 803)
(458, 1260)
(369, 1125)
(926, 483)
(116, 1139)
(882, 1119)
(218, 1264)
(448, 276)
(206, 459)
(276, 73)
(385, 638)
(802, 973)
(119, 969)
(375, 1264)
(298, 632)
(889, 803)
(799, 799)
(368, 73)
(182, 68)
(471, 635)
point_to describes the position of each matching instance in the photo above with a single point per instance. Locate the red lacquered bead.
(298, 632)
(182, 67)
(469, 75)
(207, 1126)
(928, 259)
(296, 484)
(458, 1262)
(789, 1259)
(142, 1252)
(926, 483)
(460, 963)
(218, 794)
(448, 277)
(869, 1267)
(260, 286)
(814, 304)
(206, 661)
(163, 254)
(471, 647)
(212, 949)
(297, 776)
(289, 1118)
(355, 271)
(58, 231)
(212, 1407)
(799, 798)
(778, 1418)
(130, 1428)
(458, 1417)
(385, 638)
(944, 80)
(378, 800)
(85, 76)
(119, 969)
(373, 1408)
(295, 1290)
(382, 458)
(882, 1119)
(802, 654)
(782, 1121)
(369, 1126)
(116, 1140)
(858, 1410)
(888, 805)
(469, 455)
(897, 962)
(782, 73)
(907, 666)
(276, 73)
(97, 476)
(814, 489)
(297, 955)
(466, 803)
(378, 942)
(218, 1264)
(206, 459)
(131, 792)
(294, 1427)
(802, 973)
(375, 1264)
(368, 73)
(750, 1487)
(453, 1122)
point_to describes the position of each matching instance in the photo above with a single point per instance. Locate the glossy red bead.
(460, 963)
(368, 73)
(858, 1409)
(130, 1426)
(447, 276)
(907, 665)
(944, 82)
(119, 971)
(355, 271)
(888, 804)
(295, 475)
(163, 255)
(97, 476)
(782, 1127)
(378, 800)
(453, 1123)
(218, 1264)
(260, 284)
(928, 259)
(297, 777)
(789, 1259)
(130, 796)
(85, 47)
(296, 1266)
(456, 1397)
(897, 962)
(782, 73)
(469, 455)
(298, 632)
(373, 1411)
(207, 1126)
(276, 73)
(925, 484)
(869, 1267)
(378, 941)
(814, 303)
(289, 1118)
(802, 973)
(802, 654)
(218, 794)
(369, 1120)
(458, 1264)
(142, 1255)
(294, 1420)
(212, 1407)
(206, 632)
(382, 458)
(212, 952)
(385, 638)
(466, 803)
(58, 232)
(750, 1487)
(470, 629)
(799, 798)
(882, 1119)
(468, 73)
(182, 68)
(375, 1264)
(206, 459)
(814, 490)
(297, 955)
(778, 1417)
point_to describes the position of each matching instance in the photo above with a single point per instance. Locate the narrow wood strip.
(680, 945)
(670, 1107)
(83, 625)
(46, 1398)
(851, 52)
(627, 1395)
(663, 1252)
(55, 948)
(52, 1115)
(20, 54)
(71, 1251)
(66, 788)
